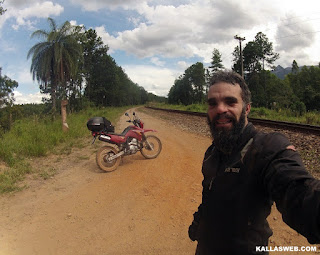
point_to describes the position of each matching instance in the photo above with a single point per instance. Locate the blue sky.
(156, 40)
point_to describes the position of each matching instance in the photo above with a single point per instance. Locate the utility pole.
(241, 59)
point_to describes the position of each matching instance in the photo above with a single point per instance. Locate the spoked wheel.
(103, 158)
(151, 147)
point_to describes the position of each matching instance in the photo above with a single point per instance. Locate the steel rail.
(262, 122)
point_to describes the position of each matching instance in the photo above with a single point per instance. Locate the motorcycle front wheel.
(103, 161)
(151, 147)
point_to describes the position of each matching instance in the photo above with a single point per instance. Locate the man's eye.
(231, 102)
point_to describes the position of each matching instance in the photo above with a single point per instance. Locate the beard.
(226, 139)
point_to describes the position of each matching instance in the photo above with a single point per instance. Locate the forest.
(299, 91)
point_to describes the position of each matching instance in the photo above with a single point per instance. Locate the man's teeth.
(223, 121)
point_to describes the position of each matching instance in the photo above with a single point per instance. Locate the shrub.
(299, 108)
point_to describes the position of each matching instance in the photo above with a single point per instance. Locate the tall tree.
(257, 54)
(195, 75)
(251, 61)
(93, 51)
(265, 50)
(55, 59)
(106, 83)
(189, 87)
(207, 77)
(236, 60)
(7, 87)
(309, 81)
(216, 61)
(181, 92)
(295, 67)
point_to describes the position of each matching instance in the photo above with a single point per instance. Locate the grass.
(191, 108)
(32, 138)
(11, 176)
(311, 118)
(46, 174)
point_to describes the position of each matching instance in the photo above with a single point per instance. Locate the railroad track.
(267, 123)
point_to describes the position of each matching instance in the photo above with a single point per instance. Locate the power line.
(297, 34)
(276, 26)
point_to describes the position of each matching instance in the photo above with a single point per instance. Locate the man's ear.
(248, 108)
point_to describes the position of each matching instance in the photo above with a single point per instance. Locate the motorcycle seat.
(124, 132)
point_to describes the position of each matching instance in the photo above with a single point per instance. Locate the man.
(245, 171)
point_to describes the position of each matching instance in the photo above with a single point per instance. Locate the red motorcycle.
(130, 141)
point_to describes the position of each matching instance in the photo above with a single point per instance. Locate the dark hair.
(232, 78)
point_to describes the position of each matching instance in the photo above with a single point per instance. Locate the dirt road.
(144, 207)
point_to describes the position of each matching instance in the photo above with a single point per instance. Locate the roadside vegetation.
(36, 136)
(310, 118)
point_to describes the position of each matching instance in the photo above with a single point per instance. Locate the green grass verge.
(35, 137)
(311, 118)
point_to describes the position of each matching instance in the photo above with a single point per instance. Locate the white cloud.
(24, 16)
(195, 28)
(183, 65)
(95, 5)
(292, 34)
(21, 98)
(186, 30)
(154, 79)
(28, 91)
(41, 10)
(22, 75)
(157, 61)
(20, 3)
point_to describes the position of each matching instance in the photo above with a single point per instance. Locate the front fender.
(149, 130)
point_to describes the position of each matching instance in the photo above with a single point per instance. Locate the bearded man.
(245, 171)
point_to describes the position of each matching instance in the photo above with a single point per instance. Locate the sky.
(155, 41)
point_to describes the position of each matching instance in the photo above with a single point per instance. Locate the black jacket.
(239, 190)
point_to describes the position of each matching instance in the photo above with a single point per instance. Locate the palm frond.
(55, 60)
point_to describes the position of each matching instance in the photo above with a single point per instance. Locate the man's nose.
(221, 108)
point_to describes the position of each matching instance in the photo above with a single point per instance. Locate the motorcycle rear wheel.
(151, 147)
(102, 158)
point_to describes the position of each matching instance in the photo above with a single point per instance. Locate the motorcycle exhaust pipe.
(116, 156)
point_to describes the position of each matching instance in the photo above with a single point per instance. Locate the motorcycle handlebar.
(135, 121)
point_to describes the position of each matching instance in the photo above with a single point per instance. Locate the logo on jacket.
(232, 170)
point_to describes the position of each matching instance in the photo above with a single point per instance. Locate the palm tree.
(55, 59)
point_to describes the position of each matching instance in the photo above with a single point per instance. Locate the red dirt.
(143, 207)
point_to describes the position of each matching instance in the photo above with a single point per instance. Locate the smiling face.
(225, 105)
(227, 115)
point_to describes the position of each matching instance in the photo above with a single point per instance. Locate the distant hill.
(281, 72)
